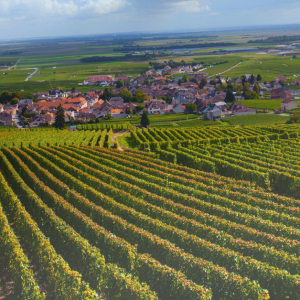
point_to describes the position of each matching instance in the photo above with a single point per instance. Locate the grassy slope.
(258, 119)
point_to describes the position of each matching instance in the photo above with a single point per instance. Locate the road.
(17, 121)
(224, 71)
(29, 76)
(11, 66)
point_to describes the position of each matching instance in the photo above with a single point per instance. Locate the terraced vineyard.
(80, 222)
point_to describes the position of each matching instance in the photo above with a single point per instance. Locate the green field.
(264, 104)
(256, 120)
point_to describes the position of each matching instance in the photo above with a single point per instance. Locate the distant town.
(160, 90)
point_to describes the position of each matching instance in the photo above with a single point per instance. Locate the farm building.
(288, 104)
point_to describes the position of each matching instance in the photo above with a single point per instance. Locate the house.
(212, 112)
(12, 108)
(25, 102)
(294, 92)
(216, 109)
(189, 85)
(37, 122)
(1, 108)
(176, 71)
(98, 80)
(6, 118)
(49, 117)
(209, 87)
(280, 94)
(238, 81)
(178, 108)
(212, 100)
(42, 94)
(183, 98)
(167, 69)
(220, 79)
(155, 106)
(187, 69)
(118, 101)
(77, 102)
(288, 104)
(240, 110)
(239, 98)
(281, 77)
(86, 116)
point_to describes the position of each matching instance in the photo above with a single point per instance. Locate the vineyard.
(206, 214)
(46, 137)
(267, 156)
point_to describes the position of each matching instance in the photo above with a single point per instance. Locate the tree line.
(205, 45)
(277, 39)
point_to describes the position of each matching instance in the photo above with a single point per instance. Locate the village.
(158, 91)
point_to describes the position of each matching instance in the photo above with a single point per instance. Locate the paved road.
(29, 76)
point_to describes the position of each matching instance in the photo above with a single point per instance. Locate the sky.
(48, 18)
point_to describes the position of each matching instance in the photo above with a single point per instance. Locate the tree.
(129, 111)
(258, 78)
(193, 79)
(108, 117)
(256, 88)
(18, 95)
(294, 56)
(139, 107)
(246, 86)
(60, 118)
(140, 96)
(203, 83)
(5, 97)
(212, 82)
(145, 121)
(120, 83)
(294, 118)
(229, 97)
(126, 95)
(168, 99)
(147, 82)
(107, 94)
(252, 79)
(230, 87)
(244, 80)
(14, 101)
(191, 107)
(238, 88)
(250, 95)
(282, 82)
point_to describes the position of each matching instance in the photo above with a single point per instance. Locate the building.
(240, 110)
(6, 118)
(280, 94)
(288, 104)
(98, 79)
(212, 112)
(25, 102)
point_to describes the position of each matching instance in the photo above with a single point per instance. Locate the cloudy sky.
(42, 18)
